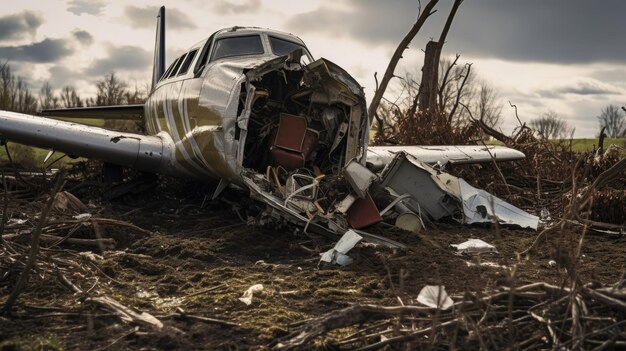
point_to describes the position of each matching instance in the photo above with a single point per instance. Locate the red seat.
(293, 143)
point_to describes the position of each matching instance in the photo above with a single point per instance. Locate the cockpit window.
(237, 46)
(282, 47)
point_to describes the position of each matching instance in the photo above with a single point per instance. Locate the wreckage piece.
(379, 156)
(363, 213)
(247, 295)
(435, 296)
(338, 253)
(480, 206)
(439, 194)
(474, 246)
(428, 193)
(359, 177)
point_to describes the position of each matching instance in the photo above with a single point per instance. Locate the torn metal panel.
(338, 253)
(440, 195)
(480, 206)
(359, 177)
(428, 194)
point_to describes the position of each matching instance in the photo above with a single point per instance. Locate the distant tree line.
(16, 96)
(612, 122)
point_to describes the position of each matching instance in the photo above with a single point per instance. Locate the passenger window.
(169, 70)
(238, 46)
(185, 67)
(178, 63)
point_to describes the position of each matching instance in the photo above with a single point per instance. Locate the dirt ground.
(202, 259)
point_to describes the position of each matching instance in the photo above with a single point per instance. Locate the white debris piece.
(480, 206)
(345, 204)
(359, 177)
(474, 246)
(435, 296)
(17, 221)
(338, 253)
(247, 295)
(82, 216)
(486, 264)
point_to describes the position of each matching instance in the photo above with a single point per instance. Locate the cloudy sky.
(565, 56)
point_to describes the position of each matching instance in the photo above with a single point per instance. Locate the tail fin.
(159, 48)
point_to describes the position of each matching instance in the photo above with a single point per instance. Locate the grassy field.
(580, 145)
(36, 157)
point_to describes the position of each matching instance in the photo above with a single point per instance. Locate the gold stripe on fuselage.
(175, 110)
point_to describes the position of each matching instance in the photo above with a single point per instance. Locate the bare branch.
(397, 55)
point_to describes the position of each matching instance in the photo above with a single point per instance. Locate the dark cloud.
(225, 7)
(90, 7)
(145, 17)
(19, 25)
(576, 31)
(121, 58)
(45, 51)
(83, 37)
(586, 87)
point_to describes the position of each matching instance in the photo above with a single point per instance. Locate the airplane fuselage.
(202, 105)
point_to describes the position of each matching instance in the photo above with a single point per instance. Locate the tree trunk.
(430, 77)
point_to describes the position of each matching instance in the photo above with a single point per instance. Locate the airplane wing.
(379, 156)
(144, 152)
(132, 112)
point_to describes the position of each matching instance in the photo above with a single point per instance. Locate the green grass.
(581, 145)
(87, 121)
(48, 342)
(32, 157)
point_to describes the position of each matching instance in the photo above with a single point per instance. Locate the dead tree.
(430, 71)
(393, 63)
(430, 77)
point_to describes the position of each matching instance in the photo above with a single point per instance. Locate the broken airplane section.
(251, 108)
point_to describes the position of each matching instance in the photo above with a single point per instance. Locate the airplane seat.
(294, 142)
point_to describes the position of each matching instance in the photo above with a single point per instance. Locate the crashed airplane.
(251, 108)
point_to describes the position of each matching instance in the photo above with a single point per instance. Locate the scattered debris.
(338, 253)
(540, 316)
(486, 264)
(247, 295)
(82, 216)
(473, 247)
(435, 296)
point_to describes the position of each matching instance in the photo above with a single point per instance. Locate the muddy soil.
(202, 259)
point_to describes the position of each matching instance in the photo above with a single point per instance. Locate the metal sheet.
(405, 176)
(359, 177)
(480, 206)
